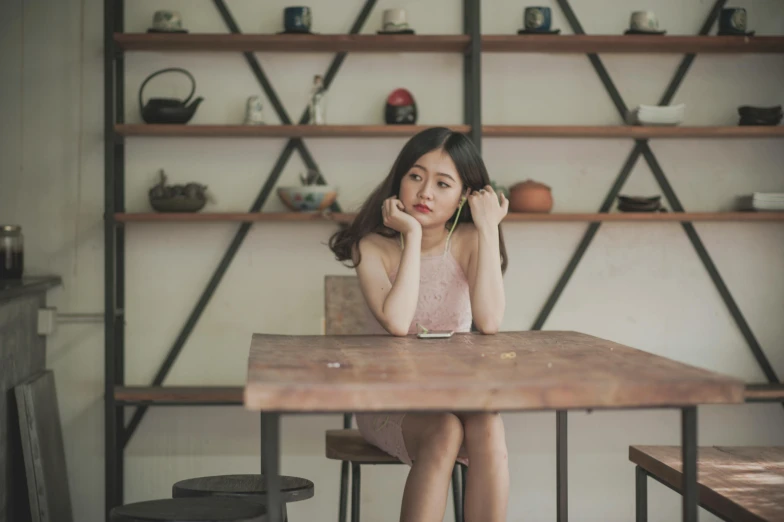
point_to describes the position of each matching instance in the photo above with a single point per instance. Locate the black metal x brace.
(239, 237)
(642, 148)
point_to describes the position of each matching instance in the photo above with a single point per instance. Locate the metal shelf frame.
(118, 433)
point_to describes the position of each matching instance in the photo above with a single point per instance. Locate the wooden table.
(509, 371)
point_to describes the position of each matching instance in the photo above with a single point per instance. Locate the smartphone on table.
(435, 334)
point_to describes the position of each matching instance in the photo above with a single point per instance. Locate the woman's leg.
(432, 442)
(487, 480)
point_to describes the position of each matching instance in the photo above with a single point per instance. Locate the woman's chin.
(422, 218)
(428, 221)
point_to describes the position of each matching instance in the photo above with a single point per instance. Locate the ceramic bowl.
(177, 204)
(310, 198)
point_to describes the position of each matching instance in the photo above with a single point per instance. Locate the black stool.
(246, 487)
(190, 510)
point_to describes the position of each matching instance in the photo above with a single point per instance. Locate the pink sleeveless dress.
(444, 304)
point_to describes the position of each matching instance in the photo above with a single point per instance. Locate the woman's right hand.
(395, 217)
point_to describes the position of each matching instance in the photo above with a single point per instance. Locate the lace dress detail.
(444, 304)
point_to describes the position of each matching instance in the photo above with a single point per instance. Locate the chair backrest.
(346, 313)
(345, 310)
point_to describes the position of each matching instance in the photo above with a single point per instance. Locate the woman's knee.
(484, 432)
(440, 437)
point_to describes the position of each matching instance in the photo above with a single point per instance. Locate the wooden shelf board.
(489, 131)
(277, 131)
(511, 217)
(330, 43)
(450, 43)
(275, 217)
(180, 394)
(632, 131)
(650, 216)
(631, 44)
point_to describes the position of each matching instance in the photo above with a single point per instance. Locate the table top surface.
(508, 371)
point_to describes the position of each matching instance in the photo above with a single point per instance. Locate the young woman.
(428, 252)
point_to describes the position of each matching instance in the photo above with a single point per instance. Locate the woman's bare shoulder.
(375, 244)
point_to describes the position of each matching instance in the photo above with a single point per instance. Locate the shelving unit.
(471, 45)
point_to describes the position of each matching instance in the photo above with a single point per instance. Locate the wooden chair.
(735, 483)
(213, 509)
(347, 314)
(248, 488)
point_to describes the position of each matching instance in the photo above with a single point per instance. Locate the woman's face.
(431, 189)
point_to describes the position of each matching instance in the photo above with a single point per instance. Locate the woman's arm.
(393, 305)
(488, 300)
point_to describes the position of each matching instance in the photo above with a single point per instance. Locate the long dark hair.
(470, 167)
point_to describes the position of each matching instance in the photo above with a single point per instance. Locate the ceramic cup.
(394, 20)
(297, 19)
(167, 21)
(537, 19)
(644, 21)
(732, 20)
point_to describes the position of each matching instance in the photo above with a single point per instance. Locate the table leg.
(641, 503)
(689, 460)
(270, 463)
(561, 473)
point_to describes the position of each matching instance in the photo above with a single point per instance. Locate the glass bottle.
(11, 252)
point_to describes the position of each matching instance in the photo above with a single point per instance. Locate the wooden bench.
(735, 483)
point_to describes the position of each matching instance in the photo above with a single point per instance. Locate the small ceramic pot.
(394, 21)
(297, 19)
(401, 109)
(732, 21)
(530, 196)
(167, 21)
(537, 19)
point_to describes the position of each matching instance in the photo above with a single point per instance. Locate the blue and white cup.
(732, 20)
(297, 19)
(537, 19)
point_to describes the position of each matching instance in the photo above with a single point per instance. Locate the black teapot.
(168, 110)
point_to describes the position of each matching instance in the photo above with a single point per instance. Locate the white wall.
(642, 285)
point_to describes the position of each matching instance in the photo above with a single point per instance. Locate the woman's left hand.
(486, 210)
